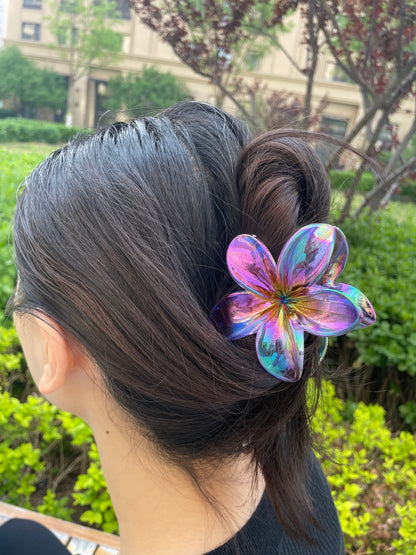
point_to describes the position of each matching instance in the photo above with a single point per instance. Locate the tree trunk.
(382, 186)
(219, 97)
(18, 108)
(376, 197)
(374, 202)
(70, 104)
(314, 51)
(369, 150)
(385, 102)
(367, 106)
(254, 111)
(350, 194)
(386, 199)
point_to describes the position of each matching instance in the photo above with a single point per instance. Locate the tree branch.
(354, 185)
(400, 33)
(399, 151)
(350, 68)
(262, 32)
(369, 48)
(385, 101)
(404, 170)
(313, 41)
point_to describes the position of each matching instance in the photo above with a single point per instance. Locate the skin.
(158, 506)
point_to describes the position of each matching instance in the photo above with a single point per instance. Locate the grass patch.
(41, 149)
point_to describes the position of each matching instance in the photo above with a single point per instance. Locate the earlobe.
(58, 358)
(51, 379)
(44, 384)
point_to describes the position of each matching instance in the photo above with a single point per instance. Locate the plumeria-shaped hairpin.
(283, 300)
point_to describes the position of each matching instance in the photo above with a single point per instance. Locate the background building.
(23, 24)
(3, 20)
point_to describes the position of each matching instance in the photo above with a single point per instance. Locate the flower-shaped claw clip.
(297, 294)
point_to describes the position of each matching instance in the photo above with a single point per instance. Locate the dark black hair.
(121, 237)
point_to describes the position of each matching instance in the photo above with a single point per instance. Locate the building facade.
(23, 24)
(3, 20)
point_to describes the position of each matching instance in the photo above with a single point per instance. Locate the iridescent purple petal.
(360, 301)
(325, 311)
(305, 257)
(279, 345)
(240, 314)
(338, 259)
(251, 265)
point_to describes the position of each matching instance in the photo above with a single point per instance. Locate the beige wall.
(143, 47)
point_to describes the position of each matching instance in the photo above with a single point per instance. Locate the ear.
(58, 356)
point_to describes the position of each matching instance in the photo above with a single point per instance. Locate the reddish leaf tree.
(266, 21)
(374, 43)
(214, 38)
(274, 109)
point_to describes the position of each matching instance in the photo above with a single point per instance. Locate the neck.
(159, 507)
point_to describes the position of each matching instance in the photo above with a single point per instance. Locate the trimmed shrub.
(14, 167)
(341, 180)
(382, 264)
(11, 358)
(372, 472)
(6, 113)
(31, 130)
(91, 491)
(33, 437)
(408, 190)
(372, 476)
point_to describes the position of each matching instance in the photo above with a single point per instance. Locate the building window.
(388, 138)
(68, 6)
(123, 8)
(125, 44)
(31, 31)
(32, 4)
(252, 61)
(334, 72)
(67, 37)
(334, 127)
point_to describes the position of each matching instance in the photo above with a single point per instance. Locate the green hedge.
(14, 167)
(31, 130)
(372, 476)
(341, 180)
(33, 437)
(382, 263)
(6, 113)
(372, 472)
(408, 190)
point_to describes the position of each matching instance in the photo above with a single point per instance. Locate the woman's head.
(120, 238)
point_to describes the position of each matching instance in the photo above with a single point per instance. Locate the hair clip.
(297, 294)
